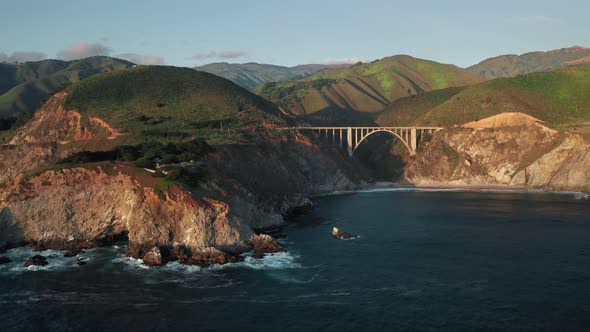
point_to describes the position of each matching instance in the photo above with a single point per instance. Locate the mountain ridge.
(511, 65)
(349, 94)
(252, 74)
(25, 85)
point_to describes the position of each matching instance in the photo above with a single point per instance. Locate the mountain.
(250, 75)
(559, 97)
(24, 85)
(156, 102)
(344, 94)
(513, 65)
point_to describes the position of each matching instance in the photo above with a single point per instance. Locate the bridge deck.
(385, 128)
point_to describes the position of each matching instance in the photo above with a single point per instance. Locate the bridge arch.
(350, 138)
(364, 137)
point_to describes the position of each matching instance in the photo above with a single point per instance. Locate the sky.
(192, 33)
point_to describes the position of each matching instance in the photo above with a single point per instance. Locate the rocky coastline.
(255, 187)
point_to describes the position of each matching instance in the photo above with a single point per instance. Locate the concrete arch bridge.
(350, 138)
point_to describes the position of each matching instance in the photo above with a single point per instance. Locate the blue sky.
(189, 33)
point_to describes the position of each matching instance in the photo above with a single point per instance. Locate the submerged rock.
(341, 235)
(5, 260)
(36, 260)
(81, 261)
(73, 252)
(263, 244)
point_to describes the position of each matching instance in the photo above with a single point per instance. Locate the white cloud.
(83, 50)
(141, 59)
(343, 61)
(229, 54)
(23, 56)
(535, 19)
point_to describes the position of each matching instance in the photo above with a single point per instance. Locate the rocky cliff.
(528, 155)
(76, 206)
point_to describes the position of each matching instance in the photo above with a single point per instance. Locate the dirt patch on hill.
(508, 119)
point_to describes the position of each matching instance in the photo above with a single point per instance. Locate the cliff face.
(530, 155)
(82, 207)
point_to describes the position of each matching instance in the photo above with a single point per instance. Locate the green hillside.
(168, 101)
(513, 65)
(333, 95)
(560, 97)
(250, 75)
(24, 85)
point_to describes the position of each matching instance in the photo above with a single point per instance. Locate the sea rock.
(341, 235)
(5, 260)
(209, 255)
(36, 260)
(264, 243)
(153, 257)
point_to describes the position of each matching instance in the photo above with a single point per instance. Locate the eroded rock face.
(532, 156)
(79, 208)
(53, 123)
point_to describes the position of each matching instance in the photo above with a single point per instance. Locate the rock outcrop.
(338, 234)
(37, 260)
(153, 257)
(265, 244)
(527, 156)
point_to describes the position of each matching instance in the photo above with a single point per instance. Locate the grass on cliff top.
(169, 101)
(143, 177)
(559, 97)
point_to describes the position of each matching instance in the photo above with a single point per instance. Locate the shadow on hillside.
(334, 116)
(10, 234)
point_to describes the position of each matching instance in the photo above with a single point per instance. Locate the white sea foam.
(275, 261)
(130, 262)
(55, 259)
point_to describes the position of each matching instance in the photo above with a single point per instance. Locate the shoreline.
(450, 187)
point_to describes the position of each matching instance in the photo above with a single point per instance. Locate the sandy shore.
(460, 187)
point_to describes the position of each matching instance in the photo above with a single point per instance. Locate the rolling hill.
(250, 75)
(513, 65)
(347, 95)
(24, 85)
(149, 102)
(559, 97)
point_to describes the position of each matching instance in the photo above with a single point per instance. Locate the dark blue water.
(424, 261)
